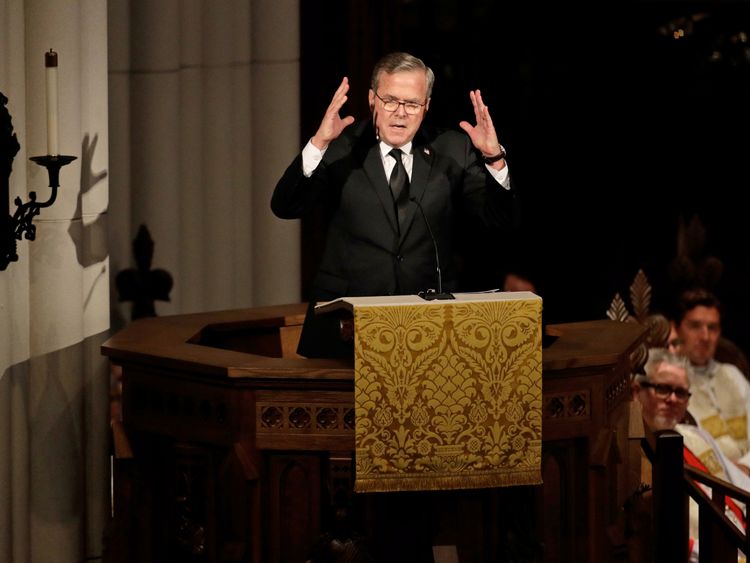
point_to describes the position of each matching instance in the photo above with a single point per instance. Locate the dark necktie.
(399, 184)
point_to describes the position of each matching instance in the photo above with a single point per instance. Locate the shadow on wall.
(91, 239)
(57, 449)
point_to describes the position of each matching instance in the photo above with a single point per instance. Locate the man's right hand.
(332, 124)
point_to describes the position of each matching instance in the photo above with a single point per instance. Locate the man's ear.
(427, 105)
(371, 99)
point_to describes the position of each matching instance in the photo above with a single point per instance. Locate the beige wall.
(182, 119)
(204, 118)
(54, 301)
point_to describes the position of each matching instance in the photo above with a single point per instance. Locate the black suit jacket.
(366, 253)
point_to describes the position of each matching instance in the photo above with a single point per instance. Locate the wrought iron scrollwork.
(20, 225)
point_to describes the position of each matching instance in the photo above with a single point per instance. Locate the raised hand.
(332, 124)
(482, 134)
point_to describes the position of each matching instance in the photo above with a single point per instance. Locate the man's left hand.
(483, 134)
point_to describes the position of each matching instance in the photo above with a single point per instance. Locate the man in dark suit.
(378, 243)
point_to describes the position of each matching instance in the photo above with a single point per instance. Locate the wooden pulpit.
(243, 451)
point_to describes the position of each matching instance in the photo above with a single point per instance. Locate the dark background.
(617, 131)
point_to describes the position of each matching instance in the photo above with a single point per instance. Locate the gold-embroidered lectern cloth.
(448, 395)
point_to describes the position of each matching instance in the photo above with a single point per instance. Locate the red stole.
(692, 460)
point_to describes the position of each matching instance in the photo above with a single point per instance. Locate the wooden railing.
(674, 483)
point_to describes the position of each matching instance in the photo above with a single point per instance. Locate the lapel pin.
(427, 151)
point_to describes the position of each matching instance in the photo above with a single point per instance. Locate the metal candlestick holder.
(20, 225)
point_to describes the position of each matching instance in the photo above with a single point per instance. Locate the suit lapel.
(373, 166)
(420, 173)
(372, 163)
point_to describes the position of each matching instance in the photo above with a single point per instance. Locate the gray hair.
(401, 62)
(658, 356)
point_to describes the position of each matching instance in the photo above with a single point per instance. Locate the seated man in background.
(721, 394)
(663, 394)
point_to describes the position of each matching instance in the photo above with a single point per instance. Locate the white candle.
(50, 63)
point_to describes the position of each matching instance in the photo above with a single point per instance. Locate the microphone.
(431, 294)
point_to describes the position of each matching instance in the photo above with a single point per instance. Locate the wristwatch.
(496, 157)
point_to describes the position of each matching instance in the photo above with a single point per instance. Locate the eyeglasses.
(390, 105)
(663, 391)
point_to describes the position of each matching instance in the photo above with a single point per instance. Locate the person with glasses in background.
(664, 393)
(721, 393)
(387, 181)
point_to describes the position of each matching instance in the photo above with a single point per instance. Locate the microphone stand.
(431, 294)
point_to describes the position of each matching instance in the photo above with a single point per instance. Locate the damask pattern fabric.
(448, 395)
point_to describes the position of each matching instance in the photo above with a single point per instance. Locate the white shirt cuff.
(502, 177)
(311, 157)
